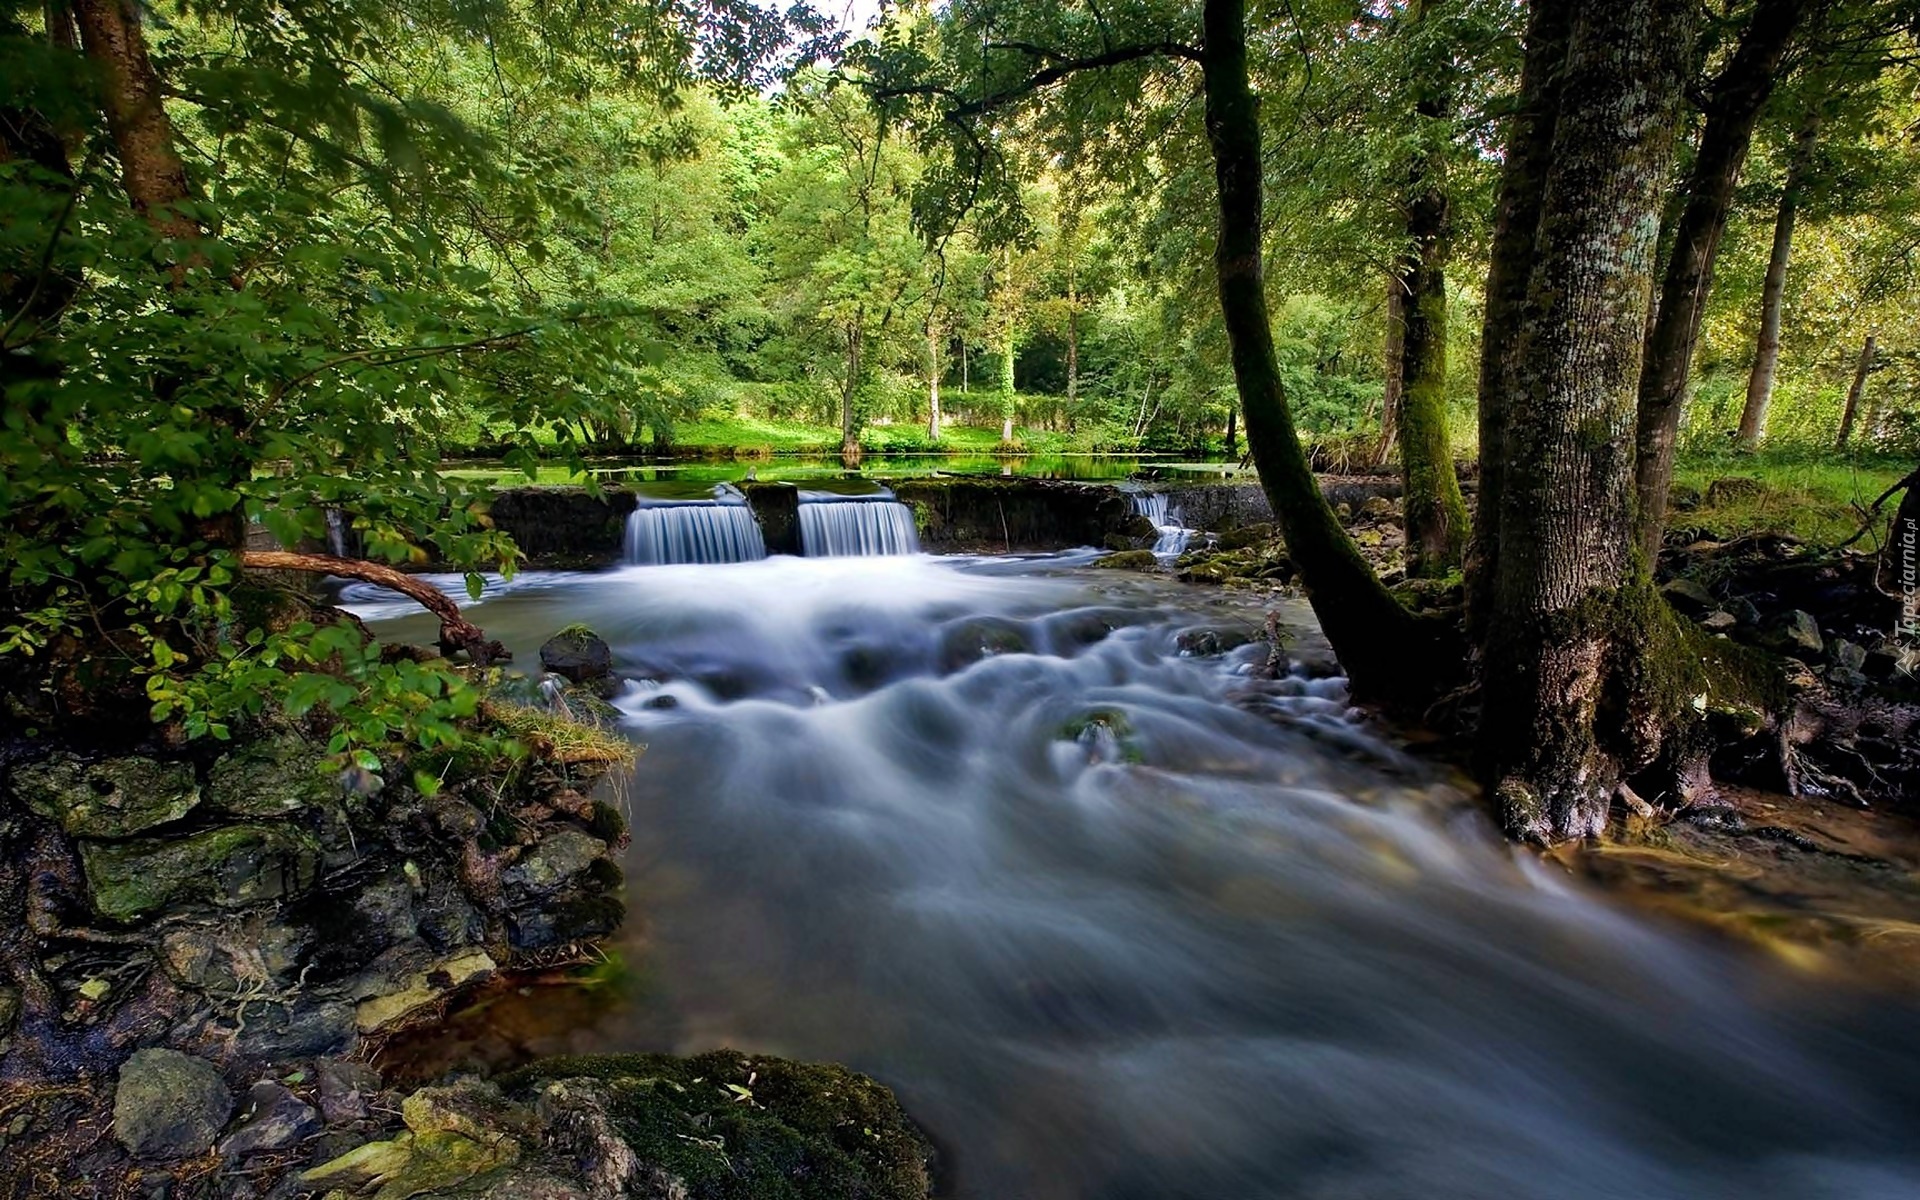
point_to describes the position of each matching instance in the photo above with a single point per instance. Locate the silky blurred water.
(1119, 918)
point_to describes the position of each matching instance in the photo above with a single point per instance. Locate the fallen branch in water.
(456, 632)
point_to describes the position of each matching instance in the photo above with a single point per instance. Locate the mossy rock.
(726, 1126)
(110, 798)
(234, 865)
(1130, 560)
(1248, 536)
(272, 777)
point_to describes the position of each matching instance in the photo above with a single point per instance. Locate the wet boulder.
(788, 1128)
(577, 654)
(555, 862)
(1130, 560)
(108, 798)
(271, 777)
(230, 866)
(169, 1105)
(1248, 537)
(271, 1118)
(1689, 596)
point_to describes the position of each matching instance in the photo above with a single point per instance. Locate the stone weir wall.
(562, 527)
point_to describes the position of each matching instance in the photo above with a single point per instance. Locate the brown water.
(1119, 920)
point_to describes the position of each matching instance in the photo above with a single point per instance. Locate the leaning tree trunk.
(1899, 574)
(1571, 601)
(1766, 352)
(1388, 653)
(1854, 392)
(1739, 91)
(1394, 367)
(1516, 220)
(1435, 516)
(456, 632)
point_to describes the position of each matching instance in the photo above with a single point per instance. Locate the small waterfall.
(337, 534)
(721, 530)
(839, 526)
(1174, 536)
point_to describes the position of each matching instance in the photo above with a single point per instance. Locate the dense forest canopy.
(259, 263)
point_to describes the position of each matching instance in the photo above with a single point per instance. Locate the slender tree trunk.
(1434, 514)
(1395, 367)
(1739, 91)
(933, 382)
(1569, 600)
(1387, 652)
(849, 392)
(1854, 392)
(1073, 345)
(1233, 430)
(1516, 222)
(1766, 354)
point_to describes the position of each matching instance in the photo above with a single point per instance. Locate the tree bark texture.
(1516, 221)
(150, 166)
(1766, 353)
(1738, 93)
(1386, 651)
(1393, 365)
(1854, 392)
(1564, 600)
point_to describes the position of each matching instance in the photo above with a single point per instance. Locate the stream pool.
(1121, 918)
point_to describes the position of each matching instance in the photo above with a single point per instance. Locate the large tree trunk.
(1854, 391)
(1571, 603)
(1433, 511)
(150, 165)
(1387, 652)
(1395, 369)
(1766, 353)
(1739, 91)
(1516, 220)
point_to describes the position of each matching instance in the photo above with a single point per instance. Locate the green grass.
(1819, 499)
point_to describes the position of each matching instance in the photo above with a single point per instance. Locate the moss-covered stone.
(726, 1126)
(110, 798)
(234, 865)
(1130, 560)
(272, 777)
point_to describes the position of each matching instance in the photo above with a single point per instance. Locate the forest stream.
(1121, 911)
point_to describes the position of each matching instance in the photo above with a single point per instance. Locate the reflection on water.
(800, 468)
(1121, 920)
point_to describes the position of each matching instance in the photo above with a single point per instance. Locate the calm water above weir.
(1120, 921)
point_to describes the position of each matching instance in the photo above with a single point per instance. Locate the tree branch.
(456, 632)
(1045, 77)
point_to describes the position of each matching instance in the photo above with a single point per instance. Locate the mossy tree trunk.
(1388, 653)
(1733, 106)
(1435, 516)
(1516, 220)
(1572, 609)
(1766, 352)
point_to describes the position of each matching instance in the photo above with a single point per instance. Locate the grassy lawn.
(1819, 499)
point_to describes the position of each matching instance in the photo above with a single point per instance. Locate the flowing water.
(677, 532)
(1120, 918)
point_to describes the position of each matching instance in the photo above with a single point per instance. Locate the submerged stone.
(169, 1104)
(111, 798)
(238, 864)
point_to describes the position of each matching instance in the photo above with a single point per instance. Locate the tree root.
(456, 632)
